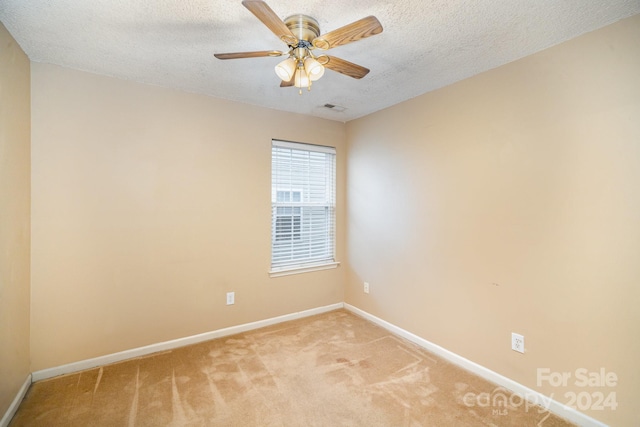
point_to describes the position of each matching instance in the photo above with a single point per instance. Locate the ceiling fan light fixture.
(301, 80)
(286, 69)
(313, 69)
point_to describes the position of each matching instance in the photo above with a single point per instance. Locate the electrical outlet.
(517, 342)
(366, 287)
(231, 298)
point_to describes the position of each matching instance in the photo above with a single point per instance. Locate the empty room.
(305, 213)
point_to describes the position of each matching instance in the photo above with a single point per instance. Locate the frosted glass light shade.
(286, 68)
(301, 79)
(314, 69)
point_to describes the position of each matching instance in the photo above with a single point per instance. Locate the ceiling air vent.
(335, 108)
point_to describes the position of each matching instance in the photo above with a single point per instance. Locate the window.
(303, 199)
(288, 220)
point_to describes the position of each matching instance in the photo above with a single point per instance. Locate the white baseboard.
(553, 406)
(169, 345)
(11, 411)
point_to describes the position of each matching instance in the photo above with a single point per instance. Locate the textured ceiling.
(425, 45)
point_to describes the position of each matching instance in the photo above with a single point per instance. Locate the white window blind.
(303, 200)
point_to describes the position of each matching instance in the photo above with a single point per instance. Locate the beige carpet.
(334, 369)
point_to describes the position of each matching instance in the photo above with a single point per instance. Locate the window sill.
(306, 269)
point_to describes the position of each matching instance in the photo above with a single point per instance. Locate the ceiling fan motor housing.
(303, 27)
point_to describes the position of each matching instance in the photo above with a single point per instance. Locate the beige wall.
(149, 205)
(510, 202)
(14, 218)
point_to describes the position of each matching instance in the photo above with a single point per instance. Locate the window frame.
(301, 265)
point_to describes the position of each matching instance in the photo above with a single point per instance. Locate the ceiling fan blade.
(257, 54)
(289, 83)
(365, 27)
(263, 12)
(345, 67)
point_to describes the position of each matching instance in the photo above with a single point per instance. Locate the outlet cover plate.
(517, 342)
(231, 298)
(366, 287)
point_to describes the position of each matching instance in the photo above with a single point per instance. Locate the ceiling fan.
(301, 33)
